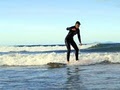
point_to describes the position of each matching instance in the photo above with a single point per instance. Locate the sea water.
(24, 67)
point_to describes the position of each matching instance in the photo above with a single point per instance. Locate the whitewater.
(24, 67)
(41, 55)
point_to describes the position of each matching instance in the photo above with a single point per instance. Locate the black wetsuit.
(69, 40)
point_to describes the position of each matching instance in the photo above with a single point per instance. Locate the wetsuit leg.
(67, 43)
(76, 49)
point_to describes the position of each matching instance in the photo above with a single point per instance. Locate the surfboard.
(56, 65)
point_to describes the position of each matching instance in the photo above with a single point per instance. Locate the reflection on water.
(93, 77)
(74, 80)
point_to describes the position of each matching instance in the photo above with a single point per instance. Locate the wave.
(110, 47)
(43, 59)
(97, 47)
(38, 48)
(38, 45)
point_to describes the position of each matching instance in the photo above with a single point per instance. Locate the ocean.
(24, 67)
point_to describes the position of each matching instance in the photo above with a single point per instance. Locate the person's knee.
(77, 50)
(69, 51)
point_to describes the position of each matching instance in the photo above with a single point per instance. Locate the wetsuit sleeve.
(69, 28)
(79, 36)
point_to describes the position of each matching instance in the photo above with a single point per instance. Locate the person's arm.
(79, 37)
(69, 28)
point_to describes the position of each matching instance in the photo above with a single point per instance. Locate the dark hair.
(78, 23)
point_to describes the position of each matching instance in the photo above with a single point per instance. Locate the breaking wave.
(43, 59)
(25, 55)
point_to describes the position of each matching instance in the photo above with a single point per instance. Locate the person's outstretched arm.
(69, 28)
(79, 37)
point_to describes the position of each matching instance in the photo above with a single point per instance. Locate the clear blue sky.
(45, 21)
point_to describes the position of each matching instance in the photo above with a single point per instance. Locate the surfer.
(70, 41)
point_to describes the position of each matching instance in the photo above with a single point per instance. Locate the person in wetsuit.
(70, 41)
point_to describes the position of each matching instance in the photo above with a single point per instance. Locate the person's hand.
(73, 29)
(80, 44)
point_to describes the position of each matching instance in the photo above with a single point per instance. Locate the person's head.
(77, 24)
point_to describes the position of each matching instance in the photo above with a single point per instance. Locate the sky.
(45, 21)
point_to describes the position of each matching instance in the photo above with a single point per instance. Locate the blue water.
(106, 47)
(92, 77)
(98, 76)
(111, 47)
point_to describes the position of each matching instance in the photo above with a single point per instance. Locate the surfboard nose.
(56, 65)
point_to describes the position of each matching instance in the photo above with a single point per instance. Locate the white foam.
(40, 48)
(42, 59)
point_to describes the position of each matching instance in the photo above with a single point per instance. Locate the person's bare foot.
(77, 60)
(68, 62)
